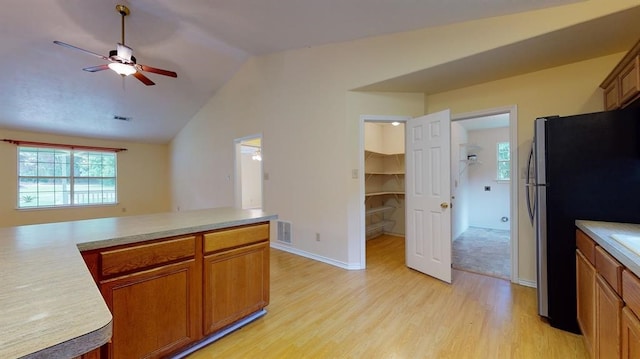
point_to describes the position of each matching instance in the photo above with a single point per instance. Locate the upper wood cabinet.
(622, 86)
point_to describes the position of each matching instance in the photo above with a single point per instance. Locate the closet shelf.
(383, 193)
(379, 225)
(384, 172)
(381, 209)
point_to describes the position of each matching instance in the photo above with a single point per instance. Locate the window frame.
(70, 175)
(499, 178)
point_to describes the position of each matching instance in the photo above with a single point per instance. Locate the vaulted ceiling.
(43, 89)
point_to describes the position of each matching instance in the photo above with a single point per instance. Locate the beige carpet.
(483, 251)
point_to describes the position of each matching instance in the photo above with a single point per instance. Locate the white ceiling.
(44, 89)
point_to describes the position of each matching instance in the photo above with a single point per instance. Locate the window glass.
(504, 161)
(59, 177)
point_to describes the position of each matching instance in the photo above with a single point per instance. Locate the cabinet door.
(236, 284)
(611, 96)
(586, 289)
(154, 312)
(630, 80)
(630, 334)
(608, 317)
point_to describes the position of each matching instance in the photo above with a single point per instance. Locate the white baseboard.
(333, 262)
(528, 283)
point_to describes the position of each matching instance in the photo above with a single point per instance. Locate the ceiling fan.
(121, 60)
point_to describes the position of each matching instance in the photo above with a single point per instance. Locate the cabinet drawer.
(138, 257)
(236, 237)
(631, 291)
(587, 246)
(610, 269)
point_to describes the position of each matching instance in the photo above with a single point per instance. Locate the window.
(54, 177)
(504, 161)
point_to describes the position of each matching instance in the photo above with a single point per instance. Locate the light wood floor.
(390, 311)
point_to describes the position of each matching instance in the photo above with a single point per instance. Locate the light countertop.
(601, 233)
(50, 307)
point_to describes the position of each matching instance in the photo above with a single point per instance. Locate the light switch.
(354, 173)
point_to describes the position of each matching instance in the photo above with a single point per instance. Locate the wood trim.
(65, 146)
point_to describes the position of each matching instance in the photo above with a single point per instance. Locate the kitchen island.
(50, 303)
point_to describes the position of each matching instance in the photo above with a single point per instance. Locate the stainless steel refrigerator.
(582, 167)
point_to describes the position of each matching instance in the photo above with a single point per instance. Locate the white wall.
(459, 181)
(486, 208)
(143, 181)
(304, 99)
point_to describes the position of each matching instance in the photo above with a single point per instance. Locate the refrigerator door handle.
(530, 187)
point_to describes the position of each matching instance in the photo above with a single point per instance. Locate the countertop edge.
(76, 346)
(600, 232)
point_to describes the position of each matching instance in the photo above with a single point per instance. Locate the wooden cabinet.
(608, 298)
(630, 335)
(630, 324)
(586, 300)
(170, 293)
(236, 275)
(608, 314)
(236, 284)
(622, 85)
(155, 312)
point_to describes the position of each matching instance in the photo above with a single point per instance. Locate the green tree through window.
(504, 161)
(52, 177)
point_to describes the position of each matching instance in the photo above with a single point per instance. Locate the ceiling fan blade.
(96, 68)
(83, 50)
(144, 79)
(157, 71)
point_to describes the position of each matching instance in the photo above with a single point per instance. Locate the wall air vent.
(284, 232)
(121, 118)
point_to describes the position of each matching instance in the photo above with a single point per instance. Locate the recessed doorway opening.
(248, 178)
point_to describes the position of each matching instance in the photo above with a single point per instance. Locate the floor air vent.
(284, 232)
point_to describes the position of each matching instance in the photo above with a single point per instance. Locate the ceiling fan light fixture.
(122, 69)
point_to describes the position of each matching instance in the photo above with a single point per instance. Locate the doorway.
(480, 182)
(248, 169)
(511, 113)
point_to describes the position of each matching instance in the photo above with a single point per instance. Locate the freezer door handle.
(531, 203)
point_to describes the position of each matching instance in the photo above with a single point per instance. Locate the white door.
(427, 194)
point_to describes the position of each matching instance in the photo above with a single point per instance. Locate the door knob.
(444, 205)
